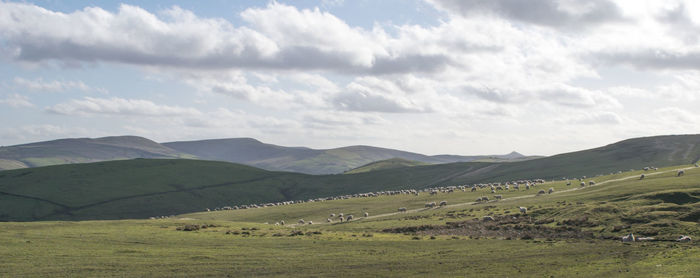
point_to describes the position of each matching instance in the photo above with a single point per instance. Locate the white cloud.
(595, 118)
(675, 115)
(17, 101)
(50, 86)
(119, 106)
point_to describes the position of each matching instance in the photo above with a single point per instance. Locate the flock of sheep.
(514, 185)
(493, 187)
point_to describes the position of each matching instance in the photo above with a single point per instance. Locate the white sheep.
(478, 200)
(329, 220)
(366, 214)
(473, 189)
(341, 219)
(311, 222)
(523, 210)
(430, 205)
(583, 184)
(628, 238)
(443, 203)
(680, 173)
(591, 183)
(282, 222)
(332, 215)
(498, 197)
(348, 218)
(683, 238)
(301, 221)
(550, 190)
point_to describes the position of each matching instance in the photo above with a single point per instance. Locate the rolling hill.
(82, 150)
(312, 161)
(147, 187)
(385, 164)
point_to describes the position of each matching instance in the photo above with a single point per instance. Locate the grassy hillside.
(311, 161)
(142, 188)
(81, 150)
(573, 232)
(385, 164)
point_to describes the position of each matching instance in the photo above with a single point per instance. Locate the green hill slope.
(385, 164)
(81, 150)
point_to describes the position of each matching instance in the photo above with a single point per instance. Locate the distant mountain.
(147, 187)
(385, 164)
(81, 150)
(311, 161)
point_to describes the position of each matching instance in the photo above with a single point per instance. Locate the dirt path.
(517, 197)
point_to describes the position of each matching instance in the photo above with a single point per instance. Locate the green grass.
(156, 249)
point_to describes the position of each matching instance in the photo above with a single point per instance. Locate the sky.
(430, 76)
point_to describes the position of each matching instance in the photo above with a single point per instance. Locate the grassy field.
(573, 232)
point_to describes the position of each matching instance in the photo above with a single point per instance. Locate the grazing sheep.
(488, 218)
(485, 199)
(498, 197)
(311, 222)
(527, 187)
(348, 218)
(277, 223)
(433, 193)
(478, 200)
(683, 238)
(541, 192)
(301, 221)
(550, 190)
(523, 210)
(473, 189)
(340, 219)
(680, 173)
(591, 183)
(366, 214)
(493, 191)
(443, 203)
(568, 183)
(696, 165)
(430, 205)
(628, 238)
(282, 222)
(641, 177)
(329, 220)
(332, 215)
(583, 184)
(402, 209)
(340, 214)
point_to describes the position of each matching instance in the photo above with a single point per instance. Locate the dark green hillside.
(81, 150)
(149, 187)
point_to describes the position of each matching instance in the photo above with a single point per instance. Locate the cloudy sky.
(433, 76)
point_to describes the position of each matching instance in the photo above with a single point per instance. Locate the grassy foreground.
(571, 233)
(156, 249)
